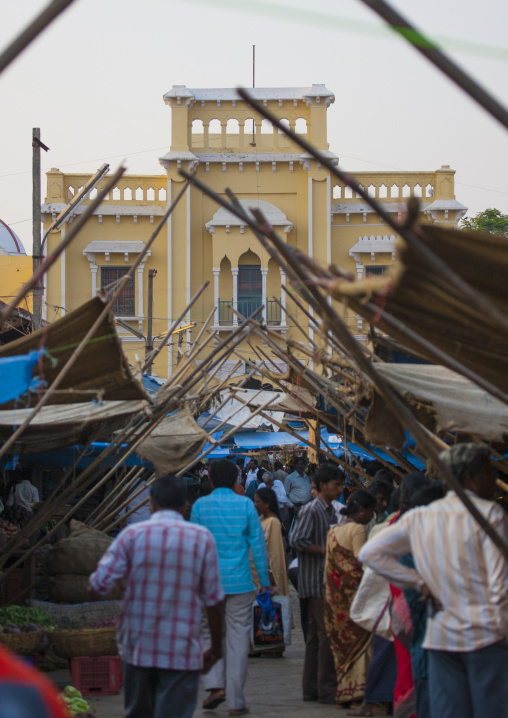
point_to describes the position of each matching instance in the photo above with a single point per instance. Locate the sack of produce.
(79, 615)
(71, 588)
(78, 528)
(77, 555)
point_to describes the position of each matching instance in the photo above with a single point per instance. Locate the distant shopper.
(23, 493)
(278, 487)
(252, 472)
(235, 524)
(298, 487)
(309, 540)
(171, 572)
(279, 473)
(142, 512)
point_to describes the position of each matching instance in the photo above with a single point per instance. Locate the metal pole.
(149, 338)
(36, 225)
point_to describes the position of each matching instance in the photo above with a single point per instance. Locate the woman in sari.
(265, 501)
(349, 643)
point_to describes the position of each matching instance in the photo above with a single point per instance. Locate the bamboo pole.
(426, 255)
(50, 259)
(391, 397)
(429, 50)
(153, 354)
(38, 24)
(117, 494)
(91, 332)
(101, 522)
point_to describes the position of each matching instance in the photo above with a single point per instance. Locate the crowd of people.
(426, 587)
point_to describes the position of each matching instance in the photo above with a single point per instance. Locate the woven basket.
(84, 642)
(23, 644)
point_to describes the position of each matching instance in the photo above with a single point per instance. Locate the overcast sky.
(93, 82)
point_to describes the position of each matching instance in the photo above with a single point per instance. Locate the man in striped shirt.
(235, 525)
(171, 572)
(309, 540)
(459, 565)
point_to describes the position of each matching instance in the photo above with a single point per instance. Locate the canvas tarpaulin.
(428, 304)
(16, 375)
(441, 399)
(173, 443)
(101, 370)
(57, 426)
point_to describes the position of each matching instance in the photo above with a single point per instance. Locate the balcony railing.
(246, 306)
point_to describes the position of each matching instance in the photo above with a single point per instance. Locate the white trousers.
(230, 673)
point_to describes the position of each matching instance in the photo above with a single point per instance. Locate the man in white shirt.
(23, 494)
(459, 565)
(298, 487)
(252, 472)
(143, 513)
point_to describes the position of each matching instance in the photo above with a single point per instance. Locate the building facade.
(217, 135)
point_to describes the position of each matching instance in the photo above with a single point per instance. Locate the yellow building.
(217, 134)
(15, 267)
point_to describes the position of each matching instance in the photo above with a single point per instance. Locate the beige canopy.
(441, 399)
(173, 443)
(59, 425)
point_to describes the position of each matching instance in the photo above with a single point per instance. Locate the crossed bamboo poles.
(302, 272)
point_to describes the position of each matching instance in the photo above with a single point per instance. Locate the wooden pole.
(45, 18)
(425, 254)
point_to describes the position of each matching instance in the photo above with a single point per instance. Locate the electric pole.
(149, 338)
(36, 223)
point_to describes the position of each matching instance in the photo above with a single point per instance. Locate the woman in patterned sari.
(349, 643)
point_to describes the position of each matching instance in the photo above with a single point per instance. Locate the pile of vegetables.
(74, 701)
(17, 515)
(24, 619)
(7, 531)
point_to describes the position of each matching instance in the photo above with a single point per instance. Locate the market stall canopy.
(431, 306)
(57, 426)
(100, 372)
(282, 403)
(441, 399)
(173, 443)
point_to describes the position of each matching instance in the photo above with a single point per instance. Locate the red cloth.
(404, 692)
(16, 672)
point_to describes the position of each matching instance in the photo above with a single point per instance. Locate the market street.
(273, 687)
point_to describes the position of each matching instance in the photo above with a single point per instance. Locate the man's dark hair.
(410, 484)
(379, 486)
(277, 466)
(169, 492)
(223, 473)
(240, 462)
(426, 495)
(326, 473)
(255, 461)
(384, 475)
(300, 460)
(359, 499)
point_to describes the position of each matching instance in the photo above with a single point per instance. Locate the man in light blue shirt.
(235, 525)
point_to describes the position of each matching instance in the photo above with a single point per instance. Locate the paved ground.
(273, 688)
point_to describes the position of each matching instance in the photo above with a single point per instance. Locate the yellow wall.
(15, 270)
(326, 222)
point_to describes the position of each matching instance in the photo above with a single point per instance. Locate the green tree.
(490, 220)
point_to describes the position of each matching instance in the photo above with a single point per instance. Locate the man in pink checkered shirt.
(171, 571)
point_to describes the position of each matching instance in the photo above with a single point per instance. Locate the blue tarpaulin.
(16, 375)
